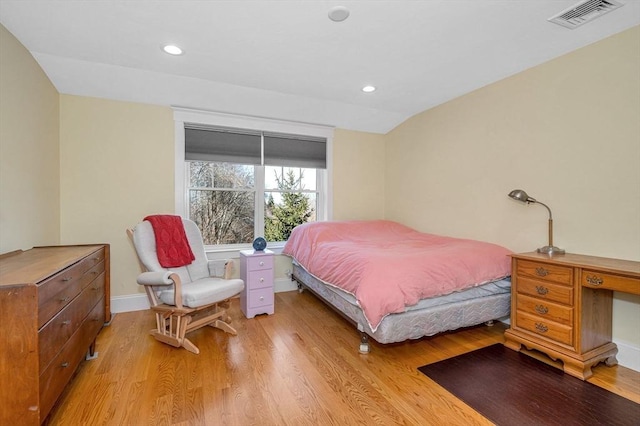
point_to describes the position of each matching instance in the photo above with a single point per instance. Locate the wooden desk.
(562, 306)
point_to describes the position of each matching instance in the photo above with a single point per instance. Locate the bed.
(395, 283)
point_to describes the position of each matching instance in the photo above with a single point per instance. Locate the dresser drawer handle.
(541, 290)
(64, 299)
(64, 365)
(65, 279)
(541, 327)
(67, 322)
(261, 298)
(594, 280)
(261, 263)
(261, 280)
(543, 310)
(541, 272)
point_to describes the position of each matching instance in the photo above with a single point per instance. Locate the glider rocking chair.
(184, 298)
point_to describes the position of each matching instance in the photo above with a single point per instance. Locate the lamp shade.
(520, 195)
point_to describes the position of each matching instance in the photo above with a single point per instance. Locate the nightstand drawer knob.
(261, 263)
(594, 280)
(542, 290)
(541, 272)
(543, 310)
(261, 280)
(541, 327)
(261, 298)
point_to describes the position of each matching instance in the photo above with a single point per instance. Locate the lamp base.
(550, 250)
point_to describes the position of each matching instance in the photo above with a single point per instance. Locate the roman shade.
(205, 143)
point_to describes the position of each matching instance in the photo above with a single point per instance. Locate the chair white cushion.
(204, 291)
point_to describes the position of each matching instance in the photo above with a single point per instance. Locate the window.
(257, 178)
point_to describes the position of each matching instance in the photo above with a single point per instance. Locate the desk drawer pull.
(541, 272)
(541, 327)
(541, 290)
(542, 310)
(594, 280)
(64, 365)
(64, 299)
(65, 279)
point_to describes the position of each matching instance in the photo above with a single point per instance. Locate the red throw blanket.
(171, 241)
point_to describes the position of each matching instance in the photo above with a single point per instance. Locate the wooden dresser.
(53, 303)
(562, 306)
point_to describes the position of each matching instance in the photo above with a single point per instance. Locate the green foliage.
(295, 209)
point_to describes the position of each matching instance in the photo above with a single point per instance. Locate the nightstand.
(256, 270)
(562, 306)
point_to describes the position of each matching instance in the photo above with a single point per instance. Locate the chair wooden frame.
(173, 322)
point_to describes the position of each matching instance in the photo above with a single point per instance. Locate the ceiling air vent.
(584, 12)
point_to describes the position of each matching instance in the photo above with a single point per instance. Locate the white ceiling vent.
(584, 12)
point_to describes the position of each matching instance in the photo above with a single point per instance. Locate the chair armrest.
(155, 278)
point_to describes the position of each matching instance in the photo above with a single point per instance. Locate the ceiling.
(288, 60)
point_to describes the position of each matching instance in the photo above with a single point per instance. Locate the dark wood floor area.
(300, 366)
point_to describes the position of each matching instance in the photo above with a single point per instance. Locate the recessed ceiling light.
(172, 49)
(368, 89)
(338, 13)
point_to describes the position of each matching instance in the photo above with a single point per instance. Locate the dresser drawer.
(547, 272)
(257, 263)
(54, 378)
(594, 279)
(260, 279)
(53, 336)
(56, 292)
(546, 291)
(545, 310)
(549, 329)
(261, 297)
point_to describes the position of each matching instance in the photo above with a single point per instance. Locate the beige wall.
(29, 158)
(358, 175)
(116, 167)
(567, 132)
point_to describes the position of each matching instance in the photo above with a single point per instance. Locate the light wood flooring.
(300, 366)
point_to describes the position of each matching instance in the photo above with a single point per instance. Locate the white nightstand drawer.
(258, 263)
(261, 297)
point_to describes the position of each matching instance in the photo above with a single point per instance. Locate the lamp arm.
(550, 224)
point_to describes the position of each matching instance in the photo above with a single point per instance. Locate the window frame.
(324, 180)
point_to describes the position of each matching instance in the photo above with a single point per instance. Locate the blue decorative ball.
(259, 244)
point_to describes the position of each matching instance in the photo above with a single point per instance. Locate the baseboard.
(129, 303)
(139, 302)
(628, 355)
(284, 284)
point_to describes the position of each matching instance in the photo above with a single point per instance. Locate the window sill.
(214, 253)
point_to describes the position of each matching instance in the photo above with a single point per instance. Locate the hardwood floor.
(299, 366)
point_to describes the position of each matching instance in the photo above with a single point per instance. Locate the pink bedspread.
(388, 266)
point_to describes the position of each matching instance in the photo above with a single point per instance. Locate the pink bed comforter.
(388, 266)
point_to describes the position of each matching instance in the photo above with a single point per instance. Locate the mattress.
(428, 317)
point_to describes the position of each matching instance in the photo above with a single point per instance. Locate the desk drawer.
(549, 329)
(597, 280)
(546, 291)
(543, 271)
(546, 310)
